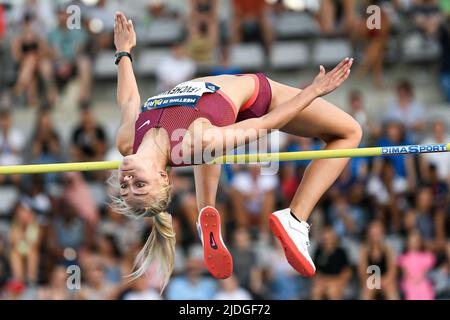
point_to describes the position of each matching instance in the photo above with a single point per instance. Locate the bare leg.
(17, 266)
(206, 183)
(336, 128)
(33, 265)
(326, 16)
(46, 72)
(26, 73)
(85, 77)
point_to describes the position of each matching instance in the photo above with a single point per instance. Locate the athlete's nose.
(127, 177)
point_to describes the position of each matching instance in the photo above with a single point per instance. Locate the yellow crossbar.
(240, 158)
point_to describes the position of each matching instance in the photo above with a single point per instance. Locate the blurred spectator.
(376, 253)
(440, 188)
(78, 195)
(174, 68)
(440, 275)
(30, 53)
(444, 40)
(68, 53)
(109, 255)
(192, 285)
(225, 66)
(440, 160)
(156, 9)
(203, 28)
(251, 20)
(404, 165)
(289, 182)
(126, 232)
(57, 286)
(427, 219)
(25, 243)
(230, 290)
(67, 234)
(45, 144)
(375, 41)
(14, 290)
(35, 196)
(12, 142)
(88, 138)
(407, 110)
(42, 10)
(295, 143)
(337, 16)
(333, 268)
(347, 219)
(4, 263)
(439, 27)
(140, 291)
(96, 286)
(101, 24)
(415, 263)
(357, 111)
(253, 196)
(245, 264)
(284, 281)
(2, 22)
(387, 191)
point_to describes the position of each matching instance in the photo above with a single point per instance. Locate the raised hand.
(325, 83)
(124, 34)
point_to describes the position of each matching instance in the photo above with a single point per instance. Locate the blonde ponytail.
(160, 247)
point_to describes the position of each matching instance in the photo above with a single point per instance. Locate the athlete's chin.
(128, 163)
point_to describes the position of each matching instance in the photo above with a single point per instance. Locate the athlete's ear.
(165, 176)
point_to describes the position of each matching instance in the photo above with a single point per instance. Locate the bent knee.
(355, 133)
(350, 131)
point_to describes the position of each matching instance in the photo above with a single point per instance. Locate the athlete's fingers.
(130, 26)
(116, 23)
(321, 70)
(339, 66)
(119, 22)
(123, 22)
(344, 77)
(344, 69)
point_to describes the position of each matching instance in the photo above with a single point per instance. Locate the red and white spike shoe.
(218, 259)
(294, 238)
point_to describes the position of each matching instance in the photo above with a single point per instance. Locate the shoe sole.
(295, 258)
(218, 259)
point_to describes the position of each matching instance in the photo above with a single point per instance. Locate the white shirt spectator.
(237, 294)
(376, 188)
(148, 294)
(172, 71)
(408, 116)
(104, 14)
(440, 160)
(254, 189)
(14, 140)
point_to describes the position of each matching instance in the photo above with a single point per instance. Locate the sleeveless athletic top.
(176, 109)
(381, 262)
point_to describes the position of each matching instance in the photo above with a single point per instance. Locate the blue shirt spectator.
(182, 288)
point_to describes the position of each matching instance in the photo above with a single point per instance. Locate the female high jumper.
(175, 127)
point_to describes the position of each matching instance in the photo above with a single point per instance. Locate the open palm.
(325, 83)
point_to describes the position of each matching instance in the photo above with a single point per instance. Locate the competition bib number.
(185, 94)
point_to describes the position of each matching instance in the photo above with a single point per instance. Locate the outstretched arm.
(128, 97)
(236, 134)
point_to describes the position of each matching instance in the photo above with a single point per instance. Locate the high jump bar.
(240, 158)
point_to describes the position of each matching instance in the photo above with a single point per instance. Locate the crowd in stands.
(384, 215)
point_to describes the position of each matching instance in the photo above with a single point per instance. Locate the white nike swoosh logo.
(144, 124)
